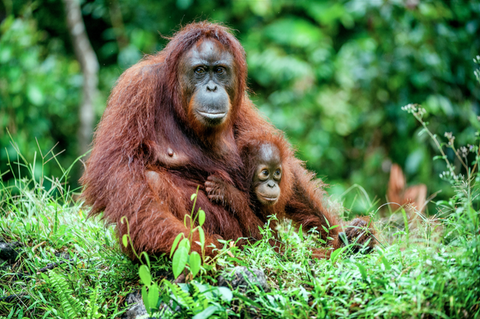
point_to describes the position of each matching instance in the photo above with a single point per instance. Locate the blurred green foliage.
(332, 74)
(39, 91)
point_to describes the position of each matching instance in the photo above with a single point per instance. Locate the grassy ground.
(421, 268)
(410, 274)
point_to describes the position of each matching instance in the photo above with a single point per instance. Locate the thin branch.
(89, 64)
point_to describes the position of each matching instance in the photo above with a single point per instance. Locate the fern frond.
(71, 306)
(182, 297)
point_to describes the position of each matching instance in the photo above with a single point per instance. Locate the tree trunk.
(89, 64)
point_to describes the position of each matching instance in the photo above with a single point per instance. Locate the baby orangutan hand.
(215, 188)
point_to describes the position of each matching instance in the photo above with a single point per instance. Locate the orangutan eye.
(278, 172)
(199, 70)
(220, 70)
(265, 172)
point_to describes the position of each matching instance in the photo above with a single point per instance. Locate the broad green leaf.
(201, 217)
(175, 243)
(179, 261)
(153, 297)
(300, 232)
(206, 313)
(194, 261)
(144, 274)
(193, 197)
(185, 243)
(226, 293)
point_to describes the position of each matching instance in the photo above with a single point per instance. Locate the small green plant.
(464, 179)
(183, 255)
(150, 289)
(71, 307)
(198, 300)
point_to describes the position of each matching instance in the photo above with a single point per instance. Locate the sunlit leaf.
(226, 293)
(125, 240)
(179, 261)
(201, 234)
(201, 217)
(153, 297)
(175, 243)
(144, 274)
(194, 261)
(206, 313)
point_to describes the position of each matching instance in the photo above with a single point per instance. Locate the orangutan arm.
(234, 200)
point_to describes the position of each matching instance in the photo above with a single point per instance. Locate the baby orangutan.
(269, 178)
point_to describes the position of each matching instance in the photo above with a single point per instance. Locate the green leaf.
(362, 270)
(194, 261)
(201, 217)
(206, 313)
(145, 297)
(300, 232)
(422, 131)
(226, 293)
(144, 274)
(405, 221)
(337, 253)
(201, 234)
(185, 244)
(325, 229)
(386, 263)
(153, 297)
(147, 259)
(175, 243)
(193, 197)
(179, 261)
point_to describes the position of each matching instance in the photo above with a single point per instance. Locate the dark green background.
(332, 74)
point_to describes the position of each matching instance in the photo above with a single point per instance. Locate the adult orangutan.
(172, 120)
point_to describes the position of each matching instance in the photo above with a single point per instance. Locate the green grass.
(424, 268)
(396, 280)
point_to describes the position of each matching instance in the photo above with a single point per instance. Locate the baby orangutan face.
(266, 180)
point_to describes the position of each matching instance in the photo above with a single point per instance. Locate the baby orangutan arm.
(225, 194)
